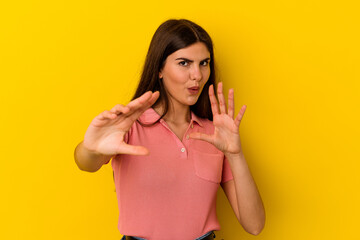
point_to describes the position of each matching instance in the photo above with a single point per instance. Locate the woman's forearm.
(89, 161)
(251, 209)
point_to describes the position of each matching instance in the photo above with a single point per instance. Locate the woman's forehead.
(196, 51)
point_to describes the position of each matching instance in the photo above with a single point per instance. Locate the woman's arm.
(243, 190)
(105, 137)
(87, 160)
(226, 138)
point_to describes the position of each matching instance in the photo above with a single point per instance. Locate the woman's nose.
(195, 73)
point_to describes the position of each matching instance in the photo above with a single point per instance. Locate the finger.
(153, 98)
(221, 98)
(140, 101)
(107, 115)
(213, 101)
(231, 103)
(136, 114)
(240, 115)
(134, 150)
(202, 136)
(117, 109)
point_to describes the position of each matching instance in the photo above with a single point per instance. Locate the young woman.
(174, 144)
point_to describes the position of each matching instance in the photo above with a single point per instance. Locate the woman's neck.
(177, 114)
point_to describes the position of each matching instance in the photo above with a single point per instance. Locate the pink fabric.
(171, 193)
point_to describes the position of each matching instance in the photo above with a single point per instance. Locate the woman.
(174, 144)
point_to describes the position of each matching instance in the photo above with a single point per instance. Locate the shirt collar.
(150, 116)
(196, 119)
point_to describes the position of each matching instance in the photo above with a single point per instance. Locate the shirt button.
(182, 149)
(187, 136)
(192, 125)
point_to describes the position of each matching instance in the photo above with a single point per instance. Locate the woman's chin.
(192, 102)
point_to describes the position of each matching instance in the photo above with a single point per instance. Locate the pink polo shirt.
(171, 193)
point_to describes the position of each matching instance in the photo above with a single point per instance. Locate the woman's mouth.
(193, 90)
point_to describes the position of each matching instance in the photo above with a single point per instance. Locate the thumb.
(202, 136)
(133, 150)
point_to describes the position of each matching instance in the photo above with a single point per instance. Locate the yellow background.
(295, 64)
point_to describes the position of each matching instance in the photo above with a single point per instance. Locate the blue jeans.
(199, 238)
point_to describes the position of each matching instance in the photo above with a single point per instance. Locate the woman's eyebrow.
(188, 60)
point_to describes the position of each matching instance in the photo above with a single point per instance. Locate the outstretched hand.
(226, 135)
(107, 131)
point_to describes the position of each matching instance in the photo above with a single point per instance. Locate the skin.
(104, 137)
(188, 67)
(241, 192)
(106, 132)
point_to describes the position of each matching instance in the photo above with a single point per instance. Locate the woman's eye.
(204, 63)
(183, 63)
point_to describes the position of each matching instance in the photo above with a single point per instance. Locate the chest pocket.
(208, 166)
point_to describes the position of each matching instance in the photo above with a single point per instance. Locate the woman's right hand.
(106, 132)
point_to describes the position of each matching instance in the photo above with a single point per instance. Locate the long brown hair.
(171, 36)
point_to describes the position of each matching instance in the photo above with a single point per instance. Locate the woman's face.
(185, 73)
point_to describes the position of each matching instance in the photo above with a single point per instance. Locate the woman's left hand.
(226, 135)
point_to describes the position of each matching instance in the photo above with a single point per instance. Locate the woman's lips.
(193, 90)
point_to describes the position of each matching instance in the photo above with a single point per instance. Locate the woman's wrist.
(238, 155)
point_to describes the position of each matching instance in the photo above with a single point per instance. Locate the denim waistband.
(205, 235)
(199, 238)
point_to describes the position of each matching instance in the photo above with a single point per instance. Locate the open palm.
(226, 134)
(106, 133)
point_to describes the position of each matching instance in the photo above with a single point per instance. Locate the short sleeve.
(108, 161)
(226, 173)
(113, 158)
